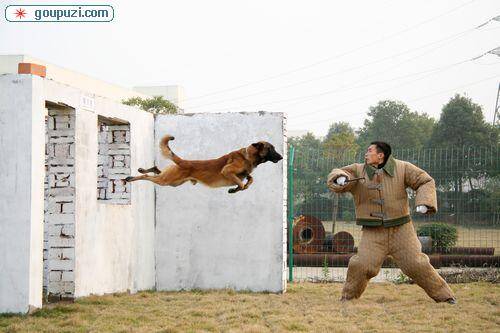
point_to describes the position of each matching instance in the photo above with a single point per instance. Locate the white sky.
(211, 46)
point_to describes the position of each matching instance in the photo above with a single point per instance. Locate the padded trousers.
(402, 244)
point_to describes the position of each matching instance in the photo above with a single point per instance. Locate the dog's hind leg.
(154, 179)
(153, 169)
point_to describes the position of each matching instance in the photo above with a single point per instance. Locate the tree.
(394, 123)
(306, 142)
(465, 144)
(340, 141)
(310, 168)
(155, 105)
(462, 124)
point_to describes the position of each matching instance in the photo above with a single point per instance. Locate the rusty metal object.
(482, 251)
(328, 243)
(343, 242)
(437, 260)
(308, 234)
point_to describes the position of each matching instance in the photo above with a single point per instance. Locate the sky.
(317, 61)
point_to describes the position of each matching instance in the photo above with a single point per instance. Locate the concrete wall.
(208, 238)
(114, 244)
(21, 199)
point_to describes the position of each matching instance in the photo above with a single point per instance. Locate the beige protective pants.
(400, 242)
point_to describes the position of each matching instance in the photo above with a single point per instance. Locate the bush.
(443, 235)
(348, 216)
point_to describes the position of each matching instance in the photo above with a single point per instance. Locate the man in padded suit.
(383, 211)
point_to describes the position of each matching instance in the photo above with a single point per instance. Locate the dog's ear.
(258, 145)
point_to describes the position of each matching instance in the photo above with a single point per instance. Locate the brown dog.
(228, 170)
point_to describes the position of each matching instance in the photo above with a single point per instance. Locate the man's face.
(373, 157)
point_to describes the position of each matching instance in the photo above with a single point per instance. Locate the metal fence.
(465, 231)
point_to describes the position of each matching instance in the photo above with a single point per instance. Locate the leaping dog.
(228, 170)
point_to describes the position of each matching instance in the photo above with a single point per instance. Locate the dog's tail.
(165, 150)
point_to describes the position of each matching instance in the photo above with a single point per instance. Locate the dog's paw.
(128, 179)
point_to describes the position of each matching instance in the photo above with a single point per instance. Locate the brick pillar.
(59, 235)
(113, 163)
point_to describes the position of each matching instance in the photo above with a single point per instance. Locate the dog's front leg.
(249, 182)
(229, 173)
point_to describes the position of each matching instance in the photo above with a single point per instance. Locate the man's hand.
(421, 209)
(341, 180)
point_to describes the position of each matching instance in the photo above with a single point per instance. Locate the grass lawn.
(306, 307)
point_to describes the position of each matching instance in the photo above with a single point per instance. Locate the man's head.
(377, 153)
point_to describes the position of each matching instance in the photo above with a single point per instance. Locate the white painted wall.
(208, 238)
(114, 244)
(21, 199)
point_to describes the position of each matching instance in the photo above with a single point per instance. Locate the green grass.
(306, 307)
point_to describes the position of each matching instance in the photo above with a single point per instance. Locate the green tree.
(466, 145)
(155, 105)
(340, 141)
(462, 124)
(394, 123)
(310, 168)
(305, 143)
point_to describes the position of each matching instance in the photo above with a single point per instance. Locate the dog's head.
(264, 151)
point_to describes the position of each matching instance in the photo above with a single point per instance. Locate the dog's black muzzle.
(275, 158)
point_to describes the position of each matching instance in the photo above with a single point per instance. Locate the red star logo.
(20, 13)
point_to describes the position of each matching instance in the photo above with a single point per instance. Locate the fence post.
(291, 154)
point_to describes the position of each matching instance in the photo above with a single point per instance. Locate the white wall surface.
(114, 244)
(114, 248)
(208, 238)
(21, 198)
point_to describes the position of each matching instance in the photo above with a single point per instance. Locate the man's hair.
(383, 147)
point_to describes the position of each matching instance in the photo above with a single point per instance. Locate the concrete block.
(119, 152)
(68, 230)
(55, 253)
(68, 253)
(62, 169)
(54, 230)
(123, 171)
(118, 176)
(61, 132)
(68, 276)
(55, 241)
(55, 276)
(60, 287)
(61, 218)
(61, 161)
(116, 146)
(61, 150)
(61, 265)
(68, 207)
